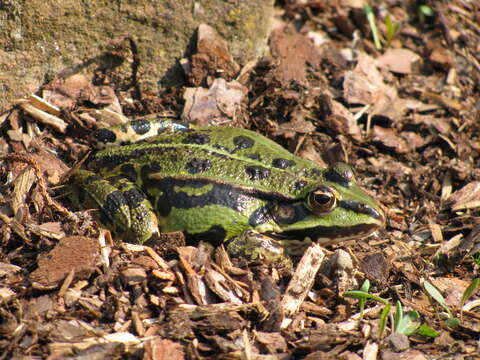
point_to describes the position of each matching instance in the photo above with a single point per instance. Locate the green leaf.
(392, 28)
(469, 291)
(408, 324)
(383, 318)
(365, 286)
(426, 10)
(435, 294)
(357, 294)
(426, 330)
(452, 322)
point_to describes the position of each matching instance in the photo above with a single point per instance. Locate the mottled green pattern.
(228, 164)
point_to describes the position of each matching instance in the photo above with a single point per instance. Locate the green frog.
(222, 185)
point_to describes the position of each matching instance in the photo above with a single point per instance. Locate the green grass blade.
(397, 317)
(383, 319)
(358, 294)
(469, 291)
(365, 288)
(392, 28)
(371, 21)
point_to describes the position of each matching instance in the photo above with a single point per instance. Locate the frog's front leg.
(123, 207)
(258, 247)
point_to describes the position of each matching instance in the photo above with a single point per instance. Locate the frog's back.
(217, 154)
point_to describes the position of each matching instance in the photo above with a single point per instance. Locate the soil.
(404, 112)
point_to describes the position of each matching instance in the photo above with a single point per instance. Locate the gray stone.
(398, 342)
(39, 39)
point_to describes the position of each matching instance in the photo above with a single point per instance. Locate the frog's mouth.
(329, 234)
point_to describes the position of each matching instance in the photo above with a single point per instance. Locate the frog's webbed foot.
(258, 247)
(123, 207)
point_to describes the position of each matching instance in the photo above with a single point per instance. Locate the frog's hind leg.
(134, 131)
(123, 207)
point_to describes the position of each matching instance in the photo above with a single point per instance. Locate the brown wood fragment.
(292, 51)
(76, 253)
(302, 280)
(467, 197)
(163, 349)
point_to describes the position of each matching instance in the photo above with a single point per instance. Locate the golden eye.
(322, 200)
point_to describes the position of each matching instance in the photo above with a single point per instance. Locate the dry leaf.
(216, 105)
(364, 85)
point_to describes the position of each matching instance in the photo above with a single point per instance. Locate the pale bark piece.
(134, 275)
(467, 197)
(45, 118)
(390, 139)
(339, 118)
(364, 84)
(51, 165)
(302, 280)
(289, 129)
(399, 61)
(162, 349)
(221, 286)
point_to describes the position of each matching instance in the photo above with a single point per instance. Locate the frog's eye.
(322, 200)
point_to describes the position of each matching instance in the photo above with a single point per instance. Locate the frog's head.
(331, 209)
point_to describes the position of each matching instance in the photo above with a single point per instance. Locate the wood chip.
(212, 57)
(467, 197)
(76, 253)
(157, 258)
(44, 117)
(302, 280)
(164, 275)
(162, 349)
(390, 139)
(400, 61)
(437, 234)
(292, 51)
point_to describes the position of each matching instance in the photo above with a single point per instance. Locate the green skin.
(221, 184)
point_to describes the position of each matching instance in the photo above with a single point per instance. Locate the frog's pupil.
(322, 199)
